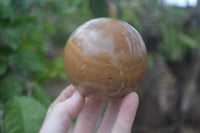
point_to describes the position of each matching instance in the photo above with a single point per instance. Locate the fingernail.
(135, 95)
(76, 95)
(132, 95)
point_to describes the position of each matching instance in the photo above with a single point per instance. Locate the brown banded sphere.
(105, 58)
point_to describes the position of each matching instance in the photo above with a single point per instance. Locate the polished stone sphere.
(105, 58)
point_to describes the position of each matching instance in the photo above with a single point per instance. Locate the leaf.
(56, 66)
(188, 41)
(170, 46)
(40, 95)
(131, 17)
(74, 3)
(54, 69)
(10, 87)
(23, 115)
(5, 9)
(150, 62)
(27, 61)
(4, 2)
(99, 8)
(11, 37)
(3, 67)
(21, 5)
(23, 22)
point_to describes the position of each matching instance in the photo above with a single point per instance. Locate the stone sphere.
(105, 58)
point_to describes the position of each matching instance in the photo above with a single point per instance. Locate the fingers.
(126, 114)
(69, 104)
(65, 94)
(87, 118)
(109, 117)
(59, 120)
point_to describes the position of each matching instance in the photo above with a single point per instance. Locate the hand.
(118, 117)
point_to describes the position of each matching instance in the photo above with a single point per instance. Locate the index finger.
(126, 114)
(65, 94)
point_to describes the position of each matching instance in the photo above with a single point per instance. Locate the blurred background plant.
(33, 34)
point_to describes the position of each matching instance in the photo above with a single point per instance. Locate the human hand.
(118, 117)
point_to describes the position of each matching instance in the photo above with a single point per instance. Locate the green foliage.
(23, 115)
(54, 68)
(149, 61)
(176, 42)
(188, 41)
(11, 37)
(40, 95)
(29, 29)
(10, 87)
(26, 61)
(23, 47)
(3, 67)
(99, 8)
(75, 3)
(131, 17)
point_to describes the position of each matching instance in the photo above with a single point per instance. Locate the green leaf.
(5, 9)
(11, 37)
(150, 62)
(10, 87)
(131, 17)
(27, 61)
(23, 115)
(23, 22)
(170, 46)
(188, 41)
(3, 67)
(4, 2)
(53, 69)
(21, 5)
(57, 68)
(74, 3)
(99, 8)
(40, 95)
